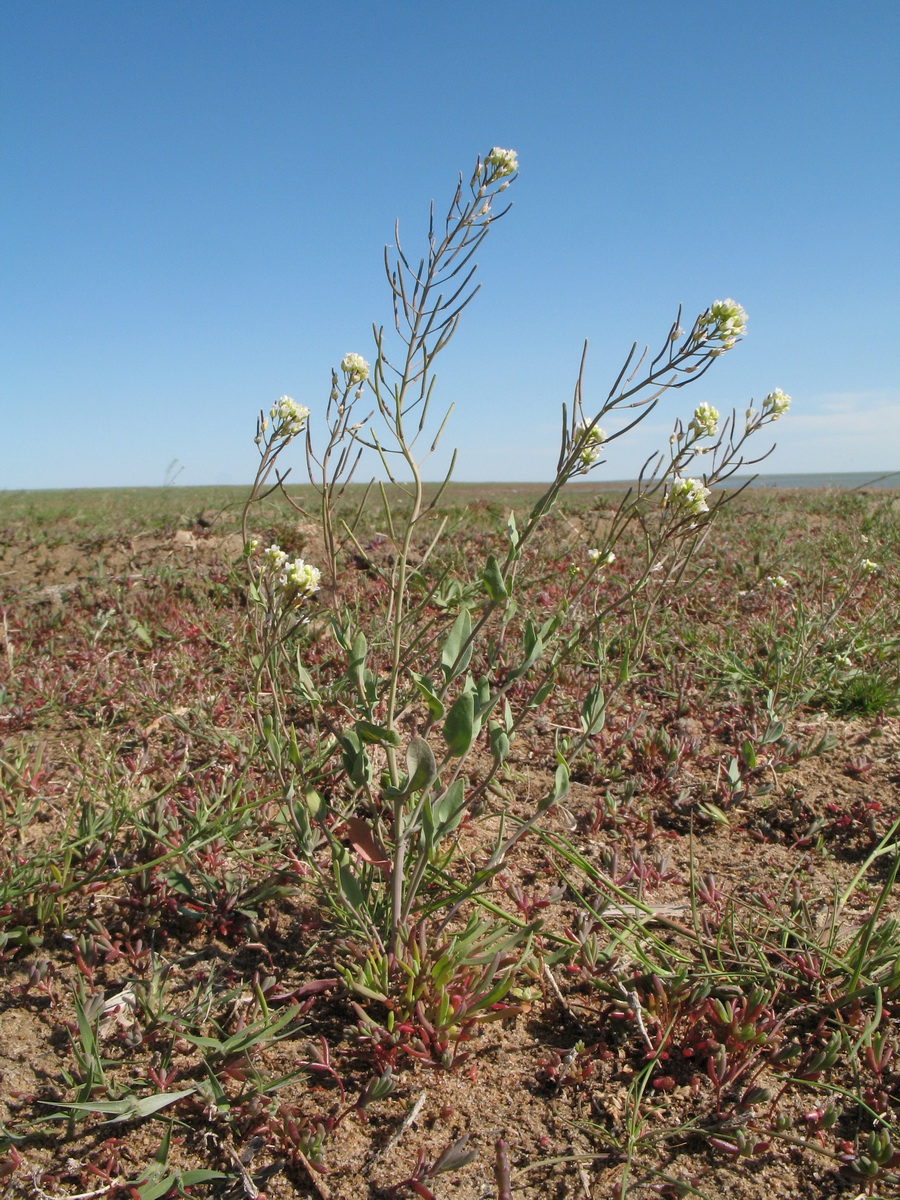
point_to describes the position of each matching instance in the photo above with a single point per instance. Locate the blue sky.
(197, 195)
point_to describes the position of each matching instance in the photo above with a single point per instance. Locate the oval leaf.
(420, 765)
(493, 580)
(454, 659)
(377, 734)
(459, 728)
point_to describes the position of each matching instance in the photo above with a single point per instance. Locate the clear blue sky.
(196, 196)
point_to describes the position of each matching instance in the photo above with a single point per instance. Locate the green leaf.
(460, 728)
(354, 757)
(542, 693)
(513, 530)
(153, 1189)
(140, 631)
(559, 790)
(305, 684)
(533, 645)
(625, 665)
(447, 811)
(774, 732)
(434, 705)
(148, 1105)
(129, 1108)
(377, 735)
(593, 711)
(349, 887)
(356, 663)
(442, 814)
(714, 813)
(499, 742)
(493, 580)
(339, 635)
(429, 826)
(293, 749)
(420, 765)
(455, 659)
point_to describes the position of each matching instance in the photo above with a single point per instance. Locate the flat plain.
(709, 997)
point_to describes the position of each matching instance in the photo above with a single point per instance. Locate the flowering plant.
(388, 764)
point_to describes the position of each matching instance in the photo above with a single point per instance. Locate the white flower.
(288, 416)
(504, 162)
(841, 660)
(776, 404)
(705, 422)
(601, 559)
(274, 557)
(869, 567)
(590, 440)
(298, 580)
(725, 320)
(777, 581)
(688, 495)
(355, 368)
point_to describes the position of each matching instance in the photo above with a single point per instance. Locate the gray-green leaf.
(424, 688)
(493, 580)
(420, 765)
(377, 734)
(460, 728)
(455, 659)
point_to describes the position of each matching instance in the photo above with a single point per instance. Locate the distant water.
(847, 480)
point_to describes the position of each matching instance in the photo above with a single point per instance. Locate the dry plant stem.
(405, 1124)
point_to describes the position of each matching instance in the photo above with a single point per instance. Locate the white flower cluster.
(601, 559)
(294, 580)
(705, 422)
(590, 439)
(777, 581)
(288, 416)
(274, 558)
(724, 321)
(688, 496)
(776, 404)
(869, 567)
(503, 162)
(355, 368)
(299, 580)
